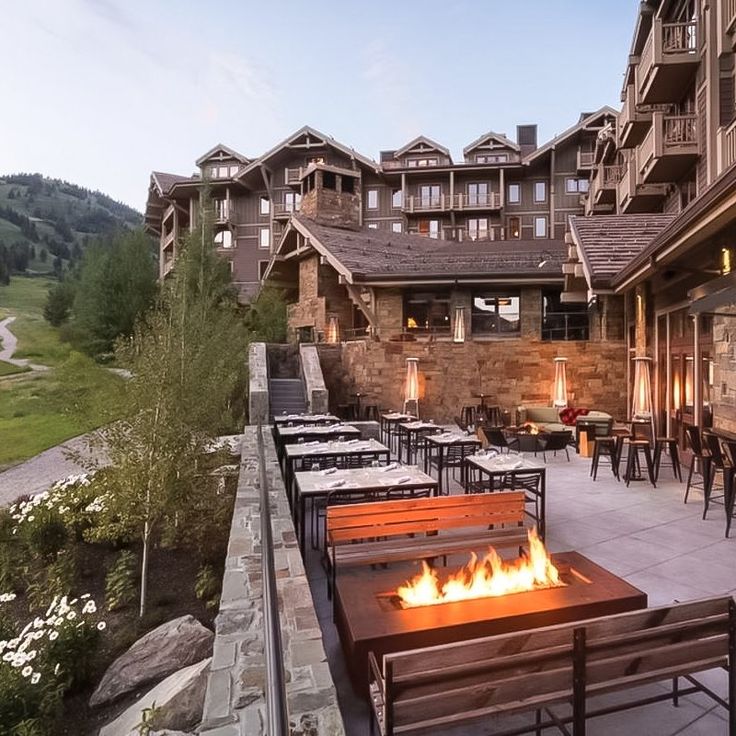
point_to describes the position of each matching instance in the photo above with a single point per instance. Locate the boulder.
(160, 652)
(177, 701)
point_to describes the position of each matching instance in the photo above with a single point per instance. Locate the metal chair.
(531, 484)
(700, 457)
(633, 462)
(497, 438)
(670, 445)
(609, 447)
(717, 463)
(554, 441)
(729, 450)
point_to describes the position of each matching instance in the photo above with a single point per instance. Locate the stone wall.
(314, 383)
(724, 379)
(514, 372)
(258, 404)
(235, 700)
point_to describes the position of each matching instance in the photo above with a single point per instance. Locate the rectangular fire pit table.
(511, 468)
(438, 446)
(314, 485)
(369, 616)
(326, 453)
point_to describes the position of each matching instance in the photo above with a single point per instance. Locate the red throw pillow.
(567, 416)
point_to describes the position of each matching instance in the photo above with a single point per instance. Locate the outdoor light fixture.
(544, 257)
(411, 386)
(641, 408)
(459, 331)
(333, 330)
(559, 394)
(725, 261)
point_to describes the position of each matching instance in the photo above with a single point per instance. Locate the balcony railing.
(679, 37)
(729, 15)
(610, 176)
(729, 142)
(680, 130)
(440, 202)
(429, 203)
(281, 209)
(488, 201)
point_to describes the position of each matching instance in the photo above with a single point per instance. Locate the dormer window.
(414, 163)
(491, 158)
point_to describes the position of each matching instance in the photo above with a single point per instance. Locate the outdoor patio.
(646, 535)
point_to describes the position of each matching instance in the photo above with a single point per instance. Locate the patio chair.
(554, 441)
(497, 438)
(453, 459)
(716, 464)
(729, 450)
(700, 457)
(531, 484)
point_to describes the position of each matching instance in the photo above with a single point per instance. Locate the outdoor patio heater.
(411, 387)
(559, 392)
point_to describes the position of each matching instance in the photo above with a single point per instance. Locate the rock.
(160, 652)
(178, 702)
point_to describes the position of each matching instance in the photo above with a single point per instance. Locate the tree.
(116, 285)
(266, 316)
(59, 303)
(185, 356)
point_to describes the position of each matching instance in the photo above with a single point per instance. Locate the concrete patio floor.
(647, 536)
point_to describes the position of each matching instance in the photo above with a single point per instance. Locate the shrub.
(207, 586)
(46, 533)
(120, 582)
(54, 580)
(12, 556)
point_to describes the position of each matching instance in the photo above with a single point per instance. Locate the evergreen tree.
(59, 303)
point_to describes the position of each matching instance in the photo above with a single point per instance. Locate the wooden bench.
(435, 687)
(351, 530)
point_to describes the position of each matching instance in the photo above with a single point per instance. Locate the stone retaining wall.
(235, 701)
(258, 407)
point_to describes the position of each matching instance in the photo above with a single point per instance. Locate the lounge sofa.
(548, 418)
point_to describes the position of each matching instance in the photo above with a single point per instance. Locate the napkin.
(328, 471)
(403, 479)
(390, 466)
(336, 484)
(352, 442)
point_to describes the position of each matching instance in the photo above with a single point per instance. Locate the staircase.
(286, 395)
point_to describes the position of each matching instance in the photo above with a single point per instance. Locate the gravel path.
(40, 472)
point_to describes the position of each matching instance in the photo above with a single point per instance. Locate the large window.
(429, 195)
(575, 186)
(396, 199)
(514, 194)
(478, 228)
(292, 200)
(396, 227)
(373, 199)
(493, 158)
(223, 239)
(264, 206)
(540, 227)
(478, 194)
(495, 313)
(540, 191)
(264, 237)
(563, 321)
(426, 311)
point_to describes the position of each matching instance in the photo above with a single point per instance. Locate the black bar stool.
(716, 464)
(670, 445)
(371, 413)
(633, 462)
(606, 447)
(346, 411)
(700, 457)
(729, 450)
(467, 416)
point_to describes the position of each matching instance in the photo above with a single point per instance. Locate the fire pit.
(370, 616)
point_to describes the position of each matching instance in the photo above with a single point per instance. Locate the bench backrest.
(521, 670)
(412, 516)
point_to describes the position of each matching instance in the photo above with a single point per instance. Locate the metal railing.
(276, 707)
(565, 326)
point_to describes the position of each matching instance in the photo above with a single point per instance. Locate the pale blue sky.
(100, 92)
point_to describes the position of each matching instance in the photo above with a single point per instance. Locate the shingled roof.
(379, 255)
(165, 181)
(607, 243)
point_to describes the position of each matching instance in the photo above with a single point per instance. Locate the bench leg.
(538, 723)
(675, 691)
(578, 683)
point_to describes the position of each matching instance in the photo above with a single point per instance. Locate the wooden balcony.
(283, 211)
(633, 123)
(489, 201)
(635, 196)
(728, 143)
(586, 160)
(669, 149)
(668, 62)
(729, 16)
(603, 186)
(438, 203)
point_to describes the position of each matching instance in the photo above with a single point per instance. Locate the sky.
(102, 92)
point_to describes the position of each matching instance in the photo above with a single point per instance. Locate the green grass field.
(8, 369)
(42, 409)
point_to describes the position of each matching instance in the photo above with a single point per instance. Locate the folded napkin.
(337, 483)
(328, 471)
(352, 442)
(403, 479)
(390, 466)
(309, 444)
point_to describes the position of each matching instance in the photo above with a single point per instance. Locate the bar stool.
(467, 416)
(346, 411)
(371, 413)
(716, 464)
(633, 462)
(670, 445)
(729, 449)
(700, 455)
(606, 447)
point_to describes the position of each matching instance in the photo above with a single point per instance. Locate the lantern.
(559, 389)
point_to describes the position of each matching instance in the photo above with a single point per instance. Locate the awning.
(708, 297)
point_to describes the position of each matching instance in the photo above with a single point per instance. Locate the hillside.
(44, 219)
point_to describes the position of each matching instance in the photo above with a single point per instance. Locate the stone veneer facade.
(724, 379)
(235, 701)
(511, 372)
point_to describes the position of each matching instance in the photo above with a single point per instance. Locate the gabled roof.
(307, 132)
(606, 244)
(164, 182)
(217, 152)
(490, 136)
(422, 139)
(572, 130)
(379, 256)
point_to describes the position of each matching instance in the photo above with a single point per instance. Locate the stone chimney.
(526, 137)
(331, 195)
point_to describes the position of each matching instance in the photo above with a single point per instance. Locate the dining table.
(315, 485)
(437, 449)
(502, 469)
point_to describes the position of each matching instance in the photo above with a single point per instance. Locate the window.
(540, 191)
(292, 200)
(573, 186)
(478, 194)
(348, 185)
(373, 199)
(264, 206)
(540, 227)
(478, 228)
(329, 180)
(513, 228)
(220, 208)
(213, 172)
(262, 266)
(264, 238)
(397, 197)
(494, 313)
(583, 185)
(562, 321)
(414, 163)
(234, 170)
(514, 196)
(429, 227)
(224, 172)
(373, 226)
(429, 196)
(491, 158)
(396, 227)
(224, 239)
(426, 311)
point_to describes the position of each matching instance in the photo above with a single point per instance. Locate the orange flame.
(490, 577)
